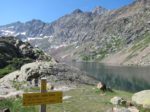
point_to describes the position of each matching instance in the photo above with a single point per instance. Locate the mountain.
(99, 10)
(99, 35)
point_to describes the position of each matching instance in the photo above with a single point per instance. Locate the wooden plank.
(43, 90)
(42, 98)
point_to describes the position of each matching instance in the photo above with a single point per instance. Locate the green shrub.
(86, 58)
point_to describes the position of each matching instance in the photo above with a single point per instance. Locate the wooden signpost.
(43, 98)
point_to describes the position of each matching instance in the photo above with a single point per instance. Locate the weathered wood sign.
(30, 99)
(43, 98)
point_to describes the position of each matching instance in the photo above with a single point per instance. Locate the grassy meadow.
(83, 99)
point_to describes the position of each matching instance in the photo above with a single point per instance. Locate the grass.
(15, 105)
(107, 47)
(87, 99)
(138, 46)
(84, 99)
(13, 65)
(6, 70)
(142, 43)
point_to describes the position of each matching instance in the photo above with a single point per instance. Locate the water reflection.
(123, 78)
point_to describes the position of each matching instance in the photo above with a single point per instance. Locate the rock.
(142, 98)
(5, 110)
(57, 74)
(11, 95)
(50, 87)
(121, 109)
(133, 109)
(64, 88)
(66, 97)
(118, 101)
(54, 73)
(99, 10)
(101, 86)
(129, 104)
(35, 82)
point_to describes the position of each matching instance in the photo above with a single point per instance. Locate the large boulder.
(142, 98)
(57, 74)
(54, 72)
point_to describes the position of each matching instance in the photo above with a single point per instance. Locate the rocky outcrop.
(11, 47)
(99, 10)
(56, 74)
(14, 53)
(142, 98)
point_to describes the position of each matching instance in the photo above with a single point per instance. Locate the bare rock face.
(14, 53)
(99, 10)
(142, 98)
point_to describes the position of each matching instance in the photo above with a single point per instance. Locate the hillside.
(14, 53)
(21, 64)
(99, 35)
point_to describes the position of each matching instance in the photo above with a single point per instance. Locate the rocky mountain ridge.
(92, 36)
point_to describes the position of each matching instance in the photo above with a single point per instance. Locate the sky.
(49, 10)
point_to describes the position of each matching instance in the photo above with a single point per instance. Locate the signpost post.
(43, 90)
(42, 98)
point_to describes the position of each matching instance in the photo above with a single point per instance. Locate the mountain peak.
(77, 11)
(35, 21)
(99, 10)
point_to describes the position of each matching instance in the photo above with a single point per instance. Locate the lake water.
(118, 77)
